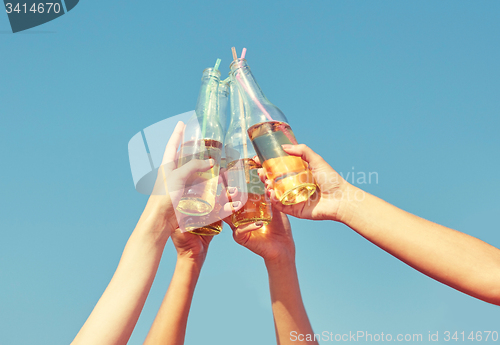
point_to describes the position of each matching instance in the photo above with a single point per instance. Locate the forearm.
(169, 326)
(115, 315)
(288, 308)
(449, 256)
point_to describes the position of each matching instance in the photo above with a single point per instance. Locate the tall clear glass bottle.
(268, 129)
(242, 169)
(211, 224)
(203, 137)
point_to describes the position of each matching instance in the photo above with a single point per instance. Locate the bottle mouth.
(210, 73)
(224, 86)
(240, 63)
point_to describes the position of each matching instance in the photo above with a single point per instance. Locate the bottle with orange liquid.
(242, 169)
(268, 129)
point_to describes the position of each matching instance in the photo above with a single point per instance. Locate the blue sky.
(407, 89)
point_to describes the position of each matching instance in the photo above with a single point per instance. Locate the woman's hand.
(328, 200)
(190, 246)
(170, 182)
(274, 242)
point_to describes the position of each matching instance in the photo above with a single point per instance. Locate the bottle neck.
(236, 106)
(223, 101)
(208, 98)
(244, 79)
(257, 106)
(237, 143)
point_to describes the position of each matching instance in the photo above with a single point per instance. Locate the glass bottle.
(202, 140)
(205, 225)
(268, 129)
(242, 169)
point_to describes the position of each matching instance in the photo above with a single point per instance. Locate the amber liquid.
(292, 180)
(243, 175)
(201, 225)
(198, 225)
(199, 194)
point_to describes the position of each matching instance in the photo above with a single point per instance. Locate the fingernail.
(259, 224)
(231, 190)
(212, 162)
(236, 204)
(286, 146)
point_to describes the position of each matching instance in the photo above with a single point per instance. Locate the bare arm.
(449, 256)
(290, 318)
(274, 243)
(169, 326)
(115, 314)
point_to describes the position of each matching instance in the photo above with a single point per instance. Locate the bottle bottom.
(207, 230)
(256, 208)
(294, 189)
(194, 206)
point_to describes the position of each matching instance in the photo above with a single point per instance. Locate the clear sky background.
(407, 89)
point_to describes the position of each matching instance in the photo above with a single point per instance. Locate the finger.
(257, 160)
(228, 194)
(173, 143)
(243, 229)
(305, 153)
(274, 200)
(230, 208)
(194, 165)
(262, 174)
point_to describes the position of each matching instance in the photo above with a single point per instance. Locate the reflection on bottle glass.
(292, 180)
(198, 198)
(243, 173)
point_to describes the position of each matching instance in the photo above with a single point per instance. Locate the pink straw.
(250, 93)
(254, 98)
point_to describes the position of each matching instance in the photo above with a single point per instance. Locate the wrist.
(350, 204)
(157, 219)
(280, 262)
(190, 264)
(346, 199)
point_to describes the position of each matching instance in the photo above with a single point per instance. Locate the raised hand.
(326, 202)
(191, 246)
(273, 242)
